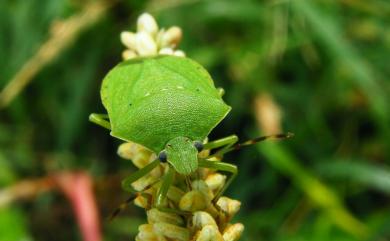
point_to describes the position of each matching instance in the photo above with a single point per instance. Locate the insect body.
(168, 104)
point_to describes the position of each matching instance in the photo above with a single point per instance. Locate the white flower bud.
(174, 194)
(215, 181)
(138, 154)
(233, 232)
(171, 37)
(167, 51)
(128, 39)
(172, 231)
(147, 23)
(179, 53)
(127, 150)
(159, 37)
(201, 186)
(128, 54)
(229, 206)
(156, 216)
(147, 233)
(209, 233)
(145, 44)
(141, 202)
(201, 219)
(194, 201)
(204, 153)
(144, 182)
(145, 200)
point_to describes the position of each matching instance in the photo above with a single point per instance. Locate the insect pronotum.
(169, 105)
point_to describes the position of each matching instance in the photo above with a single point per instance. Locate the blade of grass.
(358, 171)
(364, 76)
(74, 107)
(63, 35)
(320, 194)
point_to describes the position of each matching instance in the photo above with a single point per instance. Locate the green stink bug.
(168, 104)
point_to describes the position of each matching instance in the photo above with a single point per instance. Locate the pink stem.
(78, 188)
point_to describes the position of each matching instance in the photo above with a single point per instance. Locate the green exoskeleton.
(169, 105)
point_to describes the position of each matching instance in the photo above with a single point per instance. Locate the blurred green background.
(317, 68)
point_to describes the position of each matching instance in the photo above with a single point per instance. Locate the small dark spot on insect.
(169, 145)
(130, 104)
(162, 156)
(198, 145)
(197, 89)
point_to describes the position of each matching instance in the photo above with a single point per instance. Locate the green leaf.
(13, 225)
(357, 171)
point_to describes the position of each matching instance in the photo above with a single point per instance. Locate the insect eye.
(162, 156)
(198, 145)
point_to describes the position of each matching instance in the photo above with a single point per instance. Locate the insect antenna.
(260, 139)
(122, 207)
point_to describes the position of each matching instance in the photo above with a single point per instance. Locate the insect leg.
(131, 198)
(100, 119)
(122, 207)
(166, 184)
(126, 183)
(163, 191)
(220, 166)
(225, 142)
(221, 91)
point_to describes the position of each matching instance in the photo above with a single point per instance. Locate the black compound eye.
(198, 145)
(162, 156)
